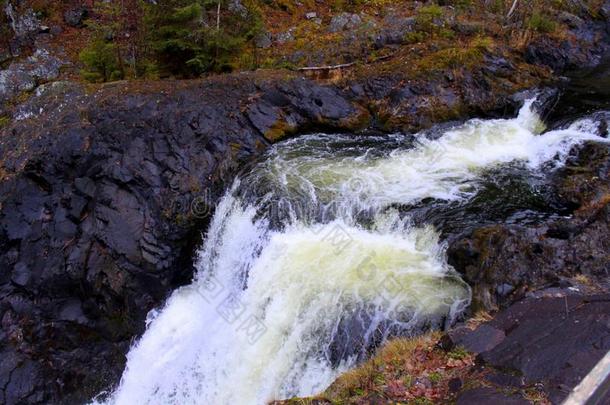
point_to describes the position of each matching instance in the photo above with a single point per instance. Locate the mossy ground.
(454, 35)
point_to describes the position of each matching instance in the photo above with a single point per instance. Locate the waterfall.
(311, 261)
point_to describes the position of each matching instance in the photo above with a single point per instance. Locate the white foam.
(304, 282)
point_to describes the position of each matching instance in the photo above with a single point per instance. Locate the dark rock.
(97, 220)
(237, 7)
(303, 104)
(571, 20)
(455, 384)
(565, 55)
(534, 257)
(76, 16)
(556, 341)
(489, 396)
(97, 223)
(468, 27)
(504, 380)
(498, 66)
(13, 82)
(482, 339)
(21, 274)
(504, 289)
(604, 12)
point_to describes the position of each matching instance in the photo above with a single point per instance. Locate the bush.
(428, 17)
(102, 63)
(541, 23)
(415, 37)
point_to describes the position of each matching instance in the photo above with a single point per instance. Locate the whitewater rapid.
(308, 266)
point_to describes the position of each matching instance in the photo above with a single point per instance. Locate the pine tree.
(190, 38)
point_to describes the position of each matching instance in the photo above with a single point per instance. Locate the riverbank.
(106, 189)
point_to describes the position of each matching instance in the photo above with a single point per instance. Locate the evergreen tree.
(193, 37)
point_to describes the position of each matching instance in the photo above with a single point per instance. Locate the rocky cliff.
(105, 191)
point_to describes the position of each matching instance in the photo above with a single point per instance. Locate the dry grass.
(411, 370)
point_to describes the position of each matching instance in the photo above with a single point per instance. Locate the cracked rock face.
(103, 199)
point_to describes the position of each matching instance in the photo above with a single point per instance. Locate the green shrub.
(415, 37)
(541, 23)
(428, 16)
(102, 63)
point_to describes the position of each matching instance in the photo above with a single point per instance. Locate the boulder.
(24, 24)
(263, 40)
(395, 29)
(344, 21)
(286, 36)
(24, 76)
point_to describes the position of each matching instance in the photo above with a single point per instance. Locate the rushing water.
(316, 256)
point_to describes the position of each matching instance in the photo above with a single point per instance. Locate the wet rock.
(75, 17)
(344, 21)
(532, 257)
(304, 104)
(489, 396)
(482, 339)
